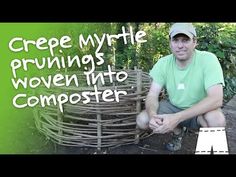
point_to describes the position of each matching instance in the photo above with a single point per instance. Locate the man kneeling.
(194, 83)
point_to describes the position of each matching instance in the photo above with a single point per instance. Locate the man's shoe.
(176, 143)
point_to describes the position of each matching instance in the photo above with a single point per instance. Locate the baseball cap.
(182, 28)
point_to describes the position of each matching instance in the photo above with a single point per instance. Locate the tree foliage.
(218, 38)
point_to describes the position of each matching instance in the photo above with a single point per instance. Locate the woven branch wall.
(103, 124)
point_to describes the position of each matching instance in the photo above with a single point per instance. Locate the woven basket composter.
(98, 125)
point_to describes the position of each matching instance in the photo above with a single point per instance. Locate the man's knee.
(215, 118)
(142, 120)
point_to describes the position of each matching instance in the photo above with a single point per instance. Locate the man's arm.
(152, 104)
(213, 101)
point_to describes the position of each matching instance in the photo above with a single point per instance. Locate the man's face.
(182, 46)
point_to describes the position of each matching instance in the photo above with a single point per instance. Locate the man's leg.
(213, 118)
(201, 121)
(142, 120)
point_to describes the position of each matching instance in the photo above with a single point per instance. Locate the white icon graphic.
(212, 141)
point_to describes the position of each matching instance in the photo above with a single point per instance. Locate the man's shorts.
(165, 107)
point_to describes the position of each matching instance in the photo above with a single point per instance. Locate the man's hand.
(155, 122)
(169, 122)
